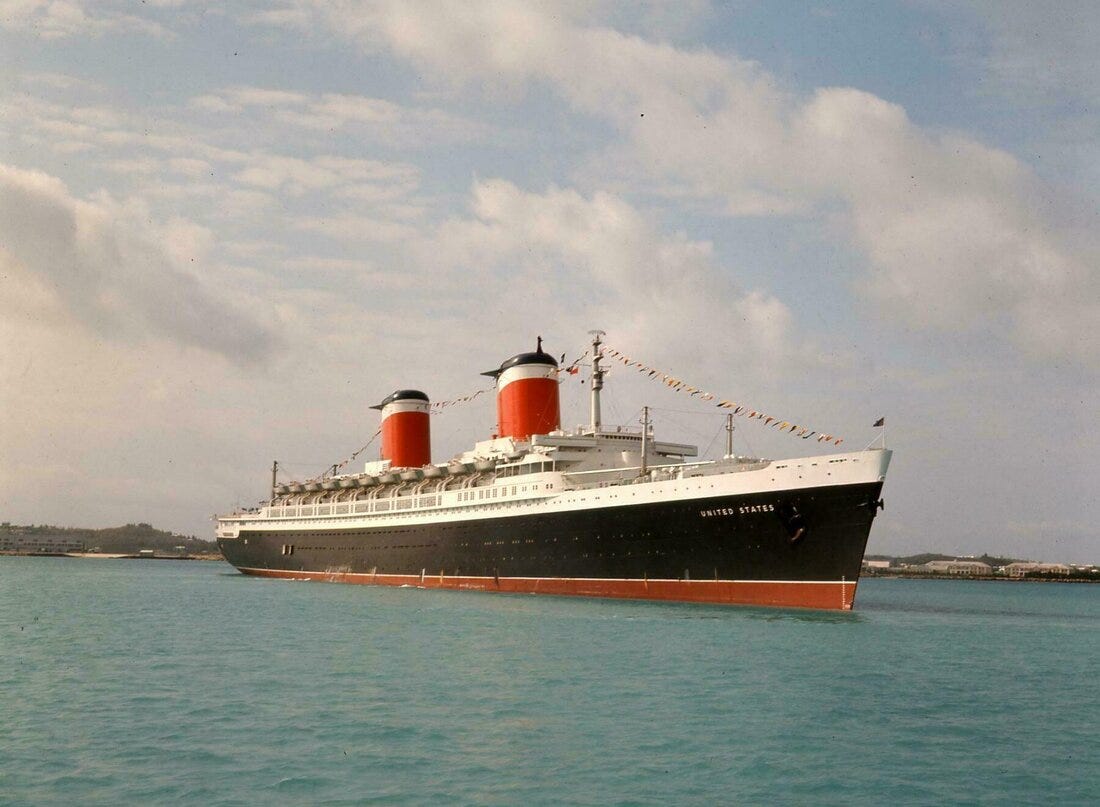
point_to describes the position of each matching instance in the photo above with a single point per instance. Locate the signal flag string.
(673, 383)
(439, 406)
(574, 367)
(341, 465)
(678, 385)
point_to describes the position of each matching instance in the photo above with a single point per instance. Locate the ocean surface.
(171, 682)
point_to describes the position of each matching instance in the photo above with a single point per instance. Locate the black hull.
(725, 549)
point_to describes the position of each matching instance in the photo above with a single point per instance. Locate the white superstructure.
(502, 478)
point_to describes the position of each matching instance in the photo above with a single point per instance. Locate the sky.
(227, 230)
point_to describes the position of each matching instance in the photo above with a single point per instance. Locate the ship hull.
(798, 548)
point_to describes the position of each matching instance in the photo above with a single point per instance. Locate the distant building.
(29, 542)
(1024, 569)
(958, 567)
(876, 564)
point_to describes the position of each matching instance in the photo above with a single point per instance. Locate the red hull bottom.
(834, 595)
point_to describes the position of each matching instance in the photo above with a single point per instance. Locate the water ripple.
(128, 683)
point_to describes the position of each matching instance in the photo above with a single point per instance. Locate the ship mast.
(645, 442)
(729, 436)
(597, 380)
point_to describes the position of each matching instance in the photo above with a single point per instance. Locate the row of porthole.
(618, 536)
(357, 548)
(671, 533)
(449, 526)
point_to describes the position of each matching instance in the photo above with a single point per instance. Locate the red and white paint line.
(836, 595)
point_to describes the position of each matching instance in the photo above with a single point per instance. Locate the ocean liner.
(596, 511)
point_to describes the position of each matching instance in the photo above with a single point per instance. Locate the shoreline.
(108, 556)
(995, 578)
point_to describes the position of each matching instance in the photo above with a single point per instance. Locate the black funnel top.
(539, 356)
(402, 395)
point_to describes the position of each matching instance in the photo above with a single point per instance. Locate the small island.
(130, 541)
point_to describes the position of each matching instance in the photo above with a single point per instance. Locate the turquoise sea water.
(153, 682)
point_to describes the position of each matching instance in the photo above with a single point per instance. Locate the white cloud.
(377, 117)
(178, 162)
(214, 103)
(115, 273)
(363, 273)
(136, 165)
(63, 81)
(950, 228)
(260, 96)
(271, 171)
(58, 19)
(617, 268)
(351, 229)
(372, 194)
(189, 166)
(953, 229)
(247, 204)
(72, 146)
